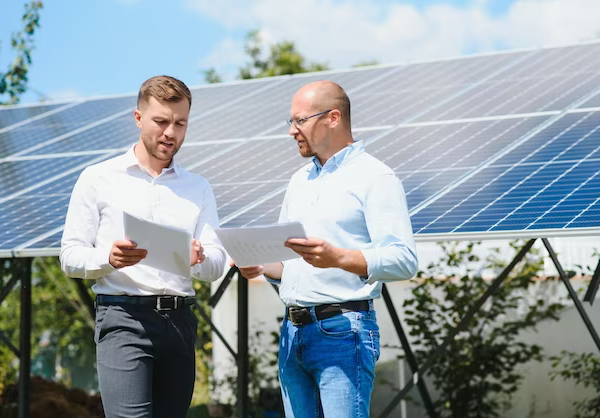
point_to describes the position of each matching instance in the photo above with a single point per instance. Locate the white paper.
(169, 248)
(258, 245)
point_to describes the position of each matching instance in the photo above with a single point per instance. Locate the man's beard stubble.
(152, 149)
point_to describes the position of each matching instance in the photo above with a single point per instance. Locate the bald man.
(354, 211)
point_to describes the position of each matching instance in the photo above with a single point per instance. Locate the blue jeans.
(326, 368)
(146, 361)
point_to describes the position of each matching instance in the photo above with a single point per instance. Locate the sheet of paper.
(169, 248)
(258, 245)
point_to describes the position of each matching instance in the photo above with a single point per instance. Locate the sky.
(109, 47)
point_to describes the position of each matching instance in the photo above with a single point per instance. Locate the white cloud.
(226, 57)
(344, 32)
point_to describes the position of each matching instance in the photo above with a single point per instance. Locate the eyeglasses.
(300, 122)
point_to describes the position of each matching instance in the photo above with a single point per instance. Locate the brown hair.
(164, 87)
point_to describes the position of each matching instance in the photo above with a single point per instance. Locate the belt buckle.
(162, 303)
(299, 316)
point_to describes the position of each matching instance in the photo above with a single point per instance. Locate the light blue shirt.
(356, 202)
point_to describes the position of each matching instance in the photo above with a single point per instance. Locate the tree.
(62, 326)
(584, 369)
(14, 81)
(476, 375)
(365, 63)
(211, 76)
(283, 58)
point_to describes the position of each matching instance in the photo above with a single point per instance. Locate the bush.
(476, 375)
(584, 369)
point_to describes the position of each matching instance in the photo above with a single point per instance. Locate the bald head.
(324, 95)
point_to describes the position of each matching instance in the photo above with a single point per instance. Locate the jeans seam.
(373, 345)
(358, 386)
(317, 401)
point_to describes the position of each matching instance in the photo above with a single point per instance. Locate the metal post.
(590, 295)
(460, 327)
(212, 326)
(572, 293)
(23, 268)
(242, 361)
(408, 351)
(214, 299)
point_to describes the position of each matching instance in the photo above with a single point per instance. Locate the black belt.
(160, 303)
(301, 315)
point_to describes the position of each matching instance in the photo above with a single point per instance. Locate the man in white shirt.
(145, 330)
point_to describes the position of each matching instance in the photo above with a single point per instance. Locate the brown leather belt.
(299, 315)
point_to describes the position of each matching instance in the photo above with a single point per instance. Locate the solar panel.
(13, 115)
(503, 144)
(534, 186)
(57, 126)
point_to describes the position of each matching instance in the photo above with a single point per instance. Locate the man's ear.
(335, 117)
(137, 115)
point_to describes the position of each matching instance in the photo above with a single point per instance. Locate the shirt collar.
(131, 160)
(341, 157)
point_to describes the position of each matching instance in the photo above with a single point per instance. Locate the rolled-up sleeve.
(393, 254)
(78, 256)
(213, 266)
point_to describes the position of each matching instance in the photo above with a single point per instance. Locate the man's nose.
(170, 131)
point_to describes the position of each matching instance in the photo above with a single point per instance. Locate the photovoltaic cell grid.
(13, 115)
(482, 144)
(549, 80)
(551, 181)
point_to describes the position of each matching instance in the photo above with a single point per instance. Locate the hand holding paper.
(125, 253)
(168, 248)
(197, 253)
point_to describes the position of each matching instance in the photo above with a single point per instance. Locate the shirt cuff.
(373, 265)
(103, 262)
(272, 280)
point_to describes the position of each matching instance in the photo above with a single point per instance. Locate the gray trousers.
(146, 362)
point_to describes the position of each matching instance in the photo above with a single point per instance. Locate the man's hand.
(316, 251)
(125, 253)
(249, 272)
(197, 252)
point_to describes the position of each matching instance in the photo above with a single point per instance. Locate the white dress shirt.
(95, 220)
(356, 202)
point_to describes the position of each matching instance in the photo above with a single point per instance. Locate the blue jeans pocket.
(338, 326)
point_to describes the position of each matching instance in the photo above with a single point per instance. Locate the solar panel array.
(498, 145)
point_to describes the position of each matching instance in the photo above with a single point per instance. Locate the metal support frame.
(212, 326)
(9, 344)
(494, 286)
(22, 271)
(241, 357)
(572, 293)
(242, 360)
(590, 295)
(410, 358)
